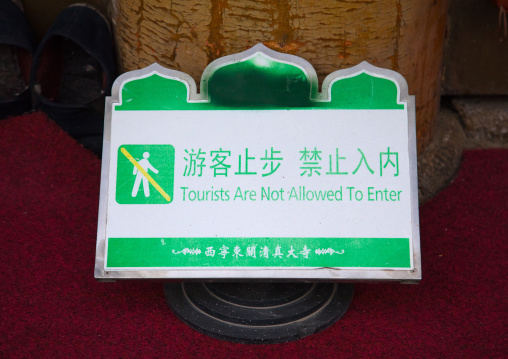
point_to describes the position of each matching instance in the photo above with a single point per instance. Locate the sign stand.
(259, 313)
(269, 195)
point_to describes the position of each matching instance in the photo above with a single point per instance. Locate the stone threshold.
(470, 122)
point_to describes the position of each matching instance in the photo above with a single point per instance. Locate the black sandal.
(72, 72)
(17, 46)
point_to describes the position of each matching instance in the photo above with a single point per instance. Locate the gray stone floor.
(463, 123)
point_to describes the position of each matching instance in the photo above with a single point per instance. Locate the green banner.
(258, 252)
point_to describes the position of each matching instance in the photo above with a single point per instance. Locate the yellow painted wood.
(404, 35)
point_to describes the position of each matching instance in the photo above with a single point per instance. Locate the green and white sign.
(260, 175)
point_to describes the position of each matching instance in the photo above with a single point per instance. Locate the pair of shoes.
(72, 71)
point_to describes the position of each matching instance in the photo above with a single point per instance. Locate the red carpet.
(52, 307)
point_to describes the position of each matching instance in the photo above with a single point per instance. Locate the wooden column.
(403, 35)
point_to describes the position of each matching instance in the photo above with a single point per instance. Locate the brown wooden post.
(403, 35)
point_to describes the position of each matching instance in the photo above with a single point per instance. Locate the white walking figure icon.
(146, 165)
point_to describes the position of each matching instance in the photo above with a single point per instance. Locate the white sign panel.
(322, 191)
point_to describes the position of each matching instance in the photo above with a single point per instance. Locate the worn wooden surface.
(476, 52)
(403, 35)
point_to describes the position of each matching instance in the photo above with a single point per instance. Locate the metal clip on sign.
(260, 176)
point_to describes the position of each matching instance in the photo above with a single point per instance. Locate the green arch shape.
(259, 82)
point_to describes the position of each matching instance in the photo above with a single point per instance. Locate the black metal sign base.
(259, 313)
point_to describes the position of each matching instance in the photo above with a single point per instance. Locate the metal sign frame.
(412, 275)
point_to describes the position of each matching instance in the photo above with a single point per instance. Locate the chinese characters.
(312, 162)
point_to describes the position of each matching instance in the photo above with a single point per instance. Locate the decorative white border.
(263, 274)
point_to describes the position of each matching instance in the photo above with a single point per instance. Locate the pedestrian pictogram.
(145, 174)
